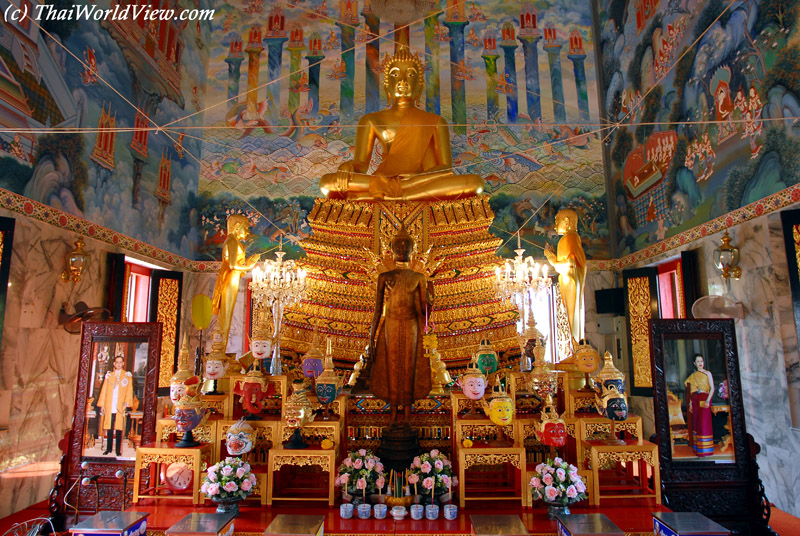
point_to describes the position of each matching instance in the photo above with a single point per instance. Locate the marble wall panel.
(38, 359)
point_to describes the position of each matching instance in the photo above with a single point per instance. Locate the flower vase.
(227, 505)
(554, 509)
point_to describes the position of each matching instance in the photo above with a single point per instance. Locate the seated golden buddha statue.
(416, 164)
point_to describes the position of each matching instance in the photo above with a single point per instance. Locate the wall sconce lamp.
(76, 260)
(726, 258)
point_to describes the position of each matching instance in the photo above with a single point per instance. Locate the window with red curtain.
(671, 296)
(138, 292)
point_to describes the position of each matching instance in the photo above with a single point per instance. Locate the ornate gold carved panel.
(168, 290)
(639, 307)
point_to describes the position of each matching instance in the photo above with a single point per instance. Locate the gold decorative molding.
(149, 458)
(491, 459)
(203, 433)
(167, 314)
(606, 458)
(639, 305)
(299, 460)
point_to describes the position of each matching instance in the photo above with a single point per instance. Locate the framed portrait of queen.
(704, 450)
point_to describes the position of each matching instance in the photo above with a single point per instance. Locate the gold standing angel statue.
(234, 265)
(417, 164)
(569, 261)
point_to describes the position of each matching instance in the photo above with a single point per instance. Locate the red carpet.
(631, 516)
(784, 524)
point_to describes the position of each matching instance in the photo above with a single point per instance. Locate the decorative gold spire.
(183, 373)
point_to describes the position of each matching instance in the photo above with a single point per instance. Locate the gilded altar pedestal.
(198, 458)
(340, 295)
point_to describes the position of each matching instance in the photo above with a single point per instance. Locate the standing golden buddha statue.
(569, 260)
(417, 164)
(401, 371)
(234, 264)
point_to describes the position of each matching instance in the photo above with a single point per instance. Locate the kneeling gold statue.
(416, 164)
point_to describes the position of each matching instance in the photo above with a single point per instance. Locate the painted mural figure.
(724, 110)
(752, 124)
(699, 389)
(417, 163)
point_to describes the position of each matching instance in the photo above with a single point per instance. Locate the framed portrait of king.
(115, 413)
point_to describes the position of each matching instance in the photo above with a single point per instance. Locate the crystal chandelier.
(519, 281)
(279, 284)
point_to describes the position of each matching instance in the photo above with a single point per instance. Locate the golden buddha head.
(403, 77)
(239, 226)
(586, 358)
(402, 245)
(566, 220)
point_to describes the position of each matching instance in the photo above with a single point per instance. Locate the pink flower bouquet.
(431, 473)
(557, 482)
(229, 479)
(361, 474)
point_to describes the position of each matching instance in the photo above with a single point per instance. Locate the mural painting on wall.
(707, 96)
(515, 80)
(93, 77)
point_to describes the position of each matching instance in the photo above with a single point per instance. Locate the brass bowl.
(406, 501)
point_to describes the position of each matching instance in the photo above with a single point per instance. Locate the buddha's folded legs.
(440, 185)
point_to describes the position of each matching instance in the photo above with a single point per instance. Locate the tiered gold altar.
(347, 240)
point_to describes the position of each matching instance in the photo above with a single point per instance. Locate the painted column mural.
(432, 38)
(509, 46)
(576, 56)
(234, 61)
(373, 67)
(529, 35)
(553, 48)
(532, 153)
(490, 61)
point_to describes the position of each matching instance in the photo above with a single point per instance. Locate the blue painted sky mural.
(101, 80)
(707, 95)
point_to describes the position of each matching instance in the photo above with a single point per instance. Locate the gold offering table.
(623, 450)
(598, 427)
(203, 433)
(468, 457)
(203, 525)
(197, 458)
(324, 458)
